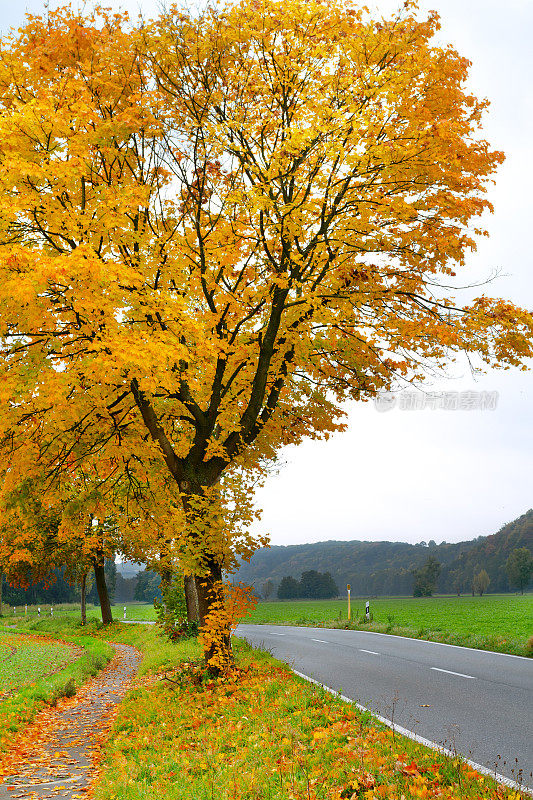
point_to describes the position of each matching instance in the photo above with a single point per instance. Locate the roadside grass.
(38, 683)
(503, 623)
(264, 734)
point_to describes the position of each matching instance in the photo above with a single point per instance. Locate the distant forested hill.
(385, 568)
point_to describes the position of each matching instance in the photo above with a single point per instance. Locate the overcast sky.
(405, 475)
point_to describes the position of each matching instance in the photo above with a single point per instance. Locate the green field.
(25, 659)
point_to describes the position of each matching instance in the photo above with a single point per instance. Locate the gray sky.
(430, 474)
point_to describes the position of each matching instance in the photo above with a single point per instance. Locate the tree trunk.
(207, 584)
(166, 580)
(207, 594)
(206, 589)
(101, 587)
(191, 598)
(84, 599)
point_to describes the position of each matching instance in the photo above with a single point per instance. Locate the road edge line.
(420, 739)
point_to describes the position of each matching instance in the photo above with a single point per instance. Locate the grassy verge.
(503, 623)
(263, 735)
(19, 709)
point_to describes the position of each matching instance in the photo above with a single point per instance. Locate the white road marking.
(460, 674)
(372, 652)
(276, 634)
(320, 640)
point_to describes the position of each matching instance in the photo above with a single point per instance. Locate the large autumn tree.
(216, 228)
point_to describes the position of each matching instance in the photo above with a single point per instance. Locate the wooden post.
(349, 606)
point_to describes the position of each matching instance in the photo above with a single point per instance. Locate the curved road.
(474, 702)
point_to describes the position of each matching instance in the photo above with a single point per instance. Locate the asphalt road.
(473, 702)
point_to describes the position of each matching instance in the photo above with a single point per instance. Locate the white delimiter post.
(368, 609)
(124, 612)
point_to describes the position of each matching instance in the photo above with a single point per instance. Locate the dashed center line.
(276, 634)
(372, 652)
(320, 640)
(449, 672)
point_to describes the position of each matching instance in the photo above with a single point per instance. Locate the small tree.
(481, 582)
(457, 582)
(267, 589)
(289, 588)
(426, 578)
(519, 567)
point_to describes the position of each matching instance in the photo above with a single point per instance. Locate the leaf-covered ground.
(24, 659)
(267, 735)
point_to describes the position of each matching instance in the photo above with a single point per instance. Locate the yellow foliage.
(215, 229)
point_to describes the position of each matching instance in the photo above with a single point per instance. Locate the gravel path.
(56, 756)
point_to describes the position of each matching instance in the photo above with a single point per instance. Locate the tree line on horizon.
(144, 587)
(391, 568)
(312, 585)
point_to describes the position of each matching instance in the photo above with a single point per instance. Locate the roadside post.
(51, 611)
(124, 612)
(349, 607)
(25, 610)
(367, 614)
(14, 611)
(39, 610)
